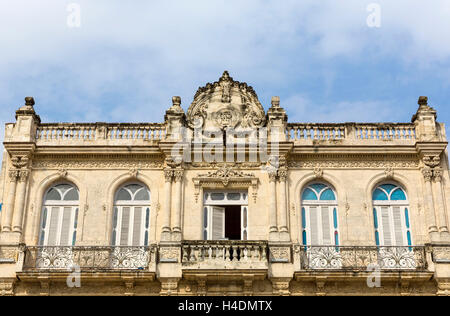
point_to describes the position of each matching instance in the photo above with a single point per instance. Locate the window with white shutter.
(391, 216)
(225, 215)
(59, 216)
(131, 216)
(319, 216)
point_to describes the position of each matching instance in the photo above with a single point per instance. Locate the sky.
(125, 60)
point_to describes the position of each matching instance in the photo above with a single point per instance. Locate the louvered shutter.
(387, 227)
(398, 226)
(137, 225)
(314, 225)
(66, 227)
(125, 227)
(218, 223)
(53, 229)
(326, 226)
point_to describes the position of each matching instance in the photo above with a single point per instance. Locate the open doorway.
(225, 216)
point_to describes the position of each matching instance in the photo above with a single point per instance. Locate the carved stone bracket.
(431, 161)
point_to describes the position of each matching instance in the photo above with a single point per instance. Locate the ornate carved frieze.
(225, 174)
(97, 164)
(353, 164)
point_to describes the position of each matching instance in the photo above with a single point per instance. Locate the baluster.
(185, 253)
(235, 255)
(193, 250)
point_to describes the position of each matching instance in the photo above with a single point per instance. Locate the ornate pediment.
(226, 104)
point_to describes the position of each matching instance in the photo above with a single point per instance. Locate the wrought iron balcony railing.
(225, 254)
(362, 258)
(89, 258)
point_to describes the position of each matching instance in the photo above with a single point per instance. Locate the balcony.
(89, 259)
(338, 258)
(227, 255)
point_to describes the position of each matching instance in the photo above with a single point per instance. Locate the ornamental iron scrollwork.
(88, 258)
(362, 258)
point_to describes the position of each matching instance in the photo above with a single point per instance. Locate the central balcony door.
(225, 215)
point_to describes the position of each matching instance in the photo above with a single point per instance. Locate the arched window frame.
(392, 213)
(329, 207)
(59, 218)
(125, 211)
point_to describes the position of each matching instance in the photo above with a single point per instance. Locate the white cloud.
(149, 51)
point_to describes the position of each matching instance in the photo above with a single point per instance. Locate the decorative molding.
(169, 254)
(283, 174)
(441, 254)
(60, 164)
(168, 175)
(389, 173)
(133, 172)
(353, 164)
(13, 175)
(62, 173)
(23, 175)
(225, 174)
(431, 161)
(178, 175)
(20, 161)
(438, 174)
(226, 103)
(227, 177)
(427, 174)
(280, 254)
(318, 173)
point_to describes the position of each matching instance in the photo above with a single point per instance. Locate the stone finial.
(225, 76)
(29, 101)
(176, 105)
(423, 101)
(276, 102)
(176, 101)
(28, 109)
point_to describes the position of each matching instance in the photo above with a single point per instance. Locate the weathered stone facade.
(225, 143)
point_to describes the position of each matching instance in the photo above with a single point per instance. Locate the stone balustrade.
(352, 133)
(123, 134)
(225, 255)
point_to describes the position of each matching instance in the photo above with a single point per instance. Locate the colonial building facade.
(225, 199)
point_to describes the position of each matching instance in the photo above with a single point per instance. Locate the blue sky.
(128, 59)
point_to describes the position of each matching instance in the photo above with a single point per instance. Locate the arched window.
(319, 215)
(59, 216)
(391, 216)
(131, 218)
